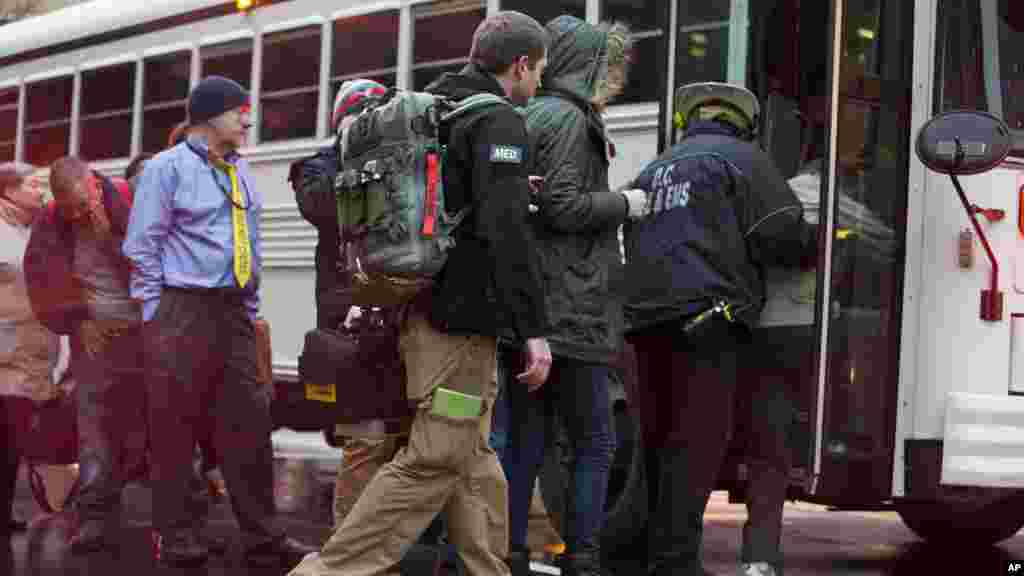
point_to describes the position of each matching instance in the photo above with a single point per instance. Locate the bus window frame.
(130, 58)
(16, 87)
(427, 10)
(991, 69)
(156, 53)
(330, 79)
(993, 77)
(312, 22)
(62, 73)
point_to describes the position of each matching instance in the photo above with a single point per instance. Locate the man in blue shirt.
(194, 240)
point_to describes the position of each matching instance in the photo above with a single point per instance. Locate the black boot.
(676, 518)
(624, 536)
(518, 562)
(182, 550)
(93, 502)
(89, 536)
(586, 562)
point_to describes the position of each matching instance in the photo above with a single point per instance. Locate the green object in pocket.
(456, 405)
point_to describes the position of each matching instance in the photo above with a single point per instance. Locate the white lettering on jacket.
(665, 193)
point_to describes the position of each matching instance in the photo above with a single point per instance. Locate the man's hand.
(538, 364)
(355, 315)
(536, 186)
(93, 337)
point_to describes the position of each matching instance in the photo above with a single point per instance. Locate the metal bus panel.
(921, 112)
(957, 351)
(983, 440)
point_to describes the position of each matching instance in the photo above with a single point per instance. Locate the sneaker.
(757, 569)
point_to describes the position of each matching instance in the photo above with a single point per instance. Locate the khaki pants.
(362, 459)
(447, 467)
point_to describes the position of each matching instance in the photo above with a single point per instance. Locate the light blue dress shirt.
(180, 230)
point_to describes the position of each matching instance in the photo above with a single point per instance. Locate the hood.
(468, 81)
(574, 58)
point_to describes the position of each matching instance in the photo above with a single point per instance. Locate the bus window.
(980, 59)
(1011, 64)
(365, 46)
(289, 93)
(544, 11)
(702, 44)
(48, 120)
(959, 82)
(8, 123)
(649, 42)
(107, 101)
(231, 59)
(442, 35)
(164, 97)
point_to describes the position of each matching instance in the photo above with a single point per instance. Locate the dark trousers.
(775, 363)
(15, 417)
(112, 428)
(578, 393)
(686, 404)
(201, 355)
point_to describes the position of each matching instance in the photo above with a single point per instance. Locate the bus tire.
(979, 518)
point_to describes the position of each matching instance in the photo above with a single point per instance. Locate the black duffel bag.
(354, 376)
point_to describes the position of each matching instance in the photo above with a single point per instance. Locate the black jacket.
(491, 283)
(579, 217)
(312, 180)
(720, 212)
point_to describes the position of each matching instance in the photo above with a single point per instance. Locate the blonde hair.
(17, 175)
(618, 55)
(22, 174)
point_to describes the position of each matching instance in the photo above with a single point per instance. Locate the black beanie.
(213, 96)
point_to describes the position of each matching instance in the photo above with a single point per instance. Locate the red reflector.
(430, 202)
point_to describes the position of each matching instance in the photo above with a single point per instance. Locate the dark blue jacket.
(719, 213)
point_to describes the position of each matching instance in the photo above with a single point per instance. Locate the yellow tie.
(243, 252)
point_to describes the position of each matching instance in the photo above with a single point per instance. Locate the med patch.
(506, 154)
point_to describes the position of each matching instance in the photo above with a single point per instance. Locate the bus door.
(834, 83)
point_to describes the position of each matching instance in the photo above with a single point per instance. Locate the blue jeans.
(578, 393)
(499, 417)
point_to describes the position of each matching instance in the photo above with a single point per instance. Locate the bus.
(906, 396)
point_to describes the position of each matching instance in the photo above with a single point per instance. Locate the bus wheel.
(966, 516)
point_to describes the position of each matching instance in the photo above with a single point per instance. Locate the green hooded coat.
(577, 224)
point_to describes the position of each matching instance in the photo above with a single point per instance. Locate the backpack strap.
(476, 102)
(472, 103)
(117, 201)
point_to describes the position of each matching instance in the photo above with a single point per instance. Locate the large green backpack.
(391, 197)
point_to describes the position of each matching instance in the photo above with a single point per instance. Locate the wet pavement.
(815, 541)
(304, 474)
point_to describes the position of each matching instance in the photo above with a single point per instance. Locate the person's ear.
(522, 67)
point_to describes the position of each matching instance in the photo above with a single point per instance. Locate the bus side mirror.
(965, 142)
